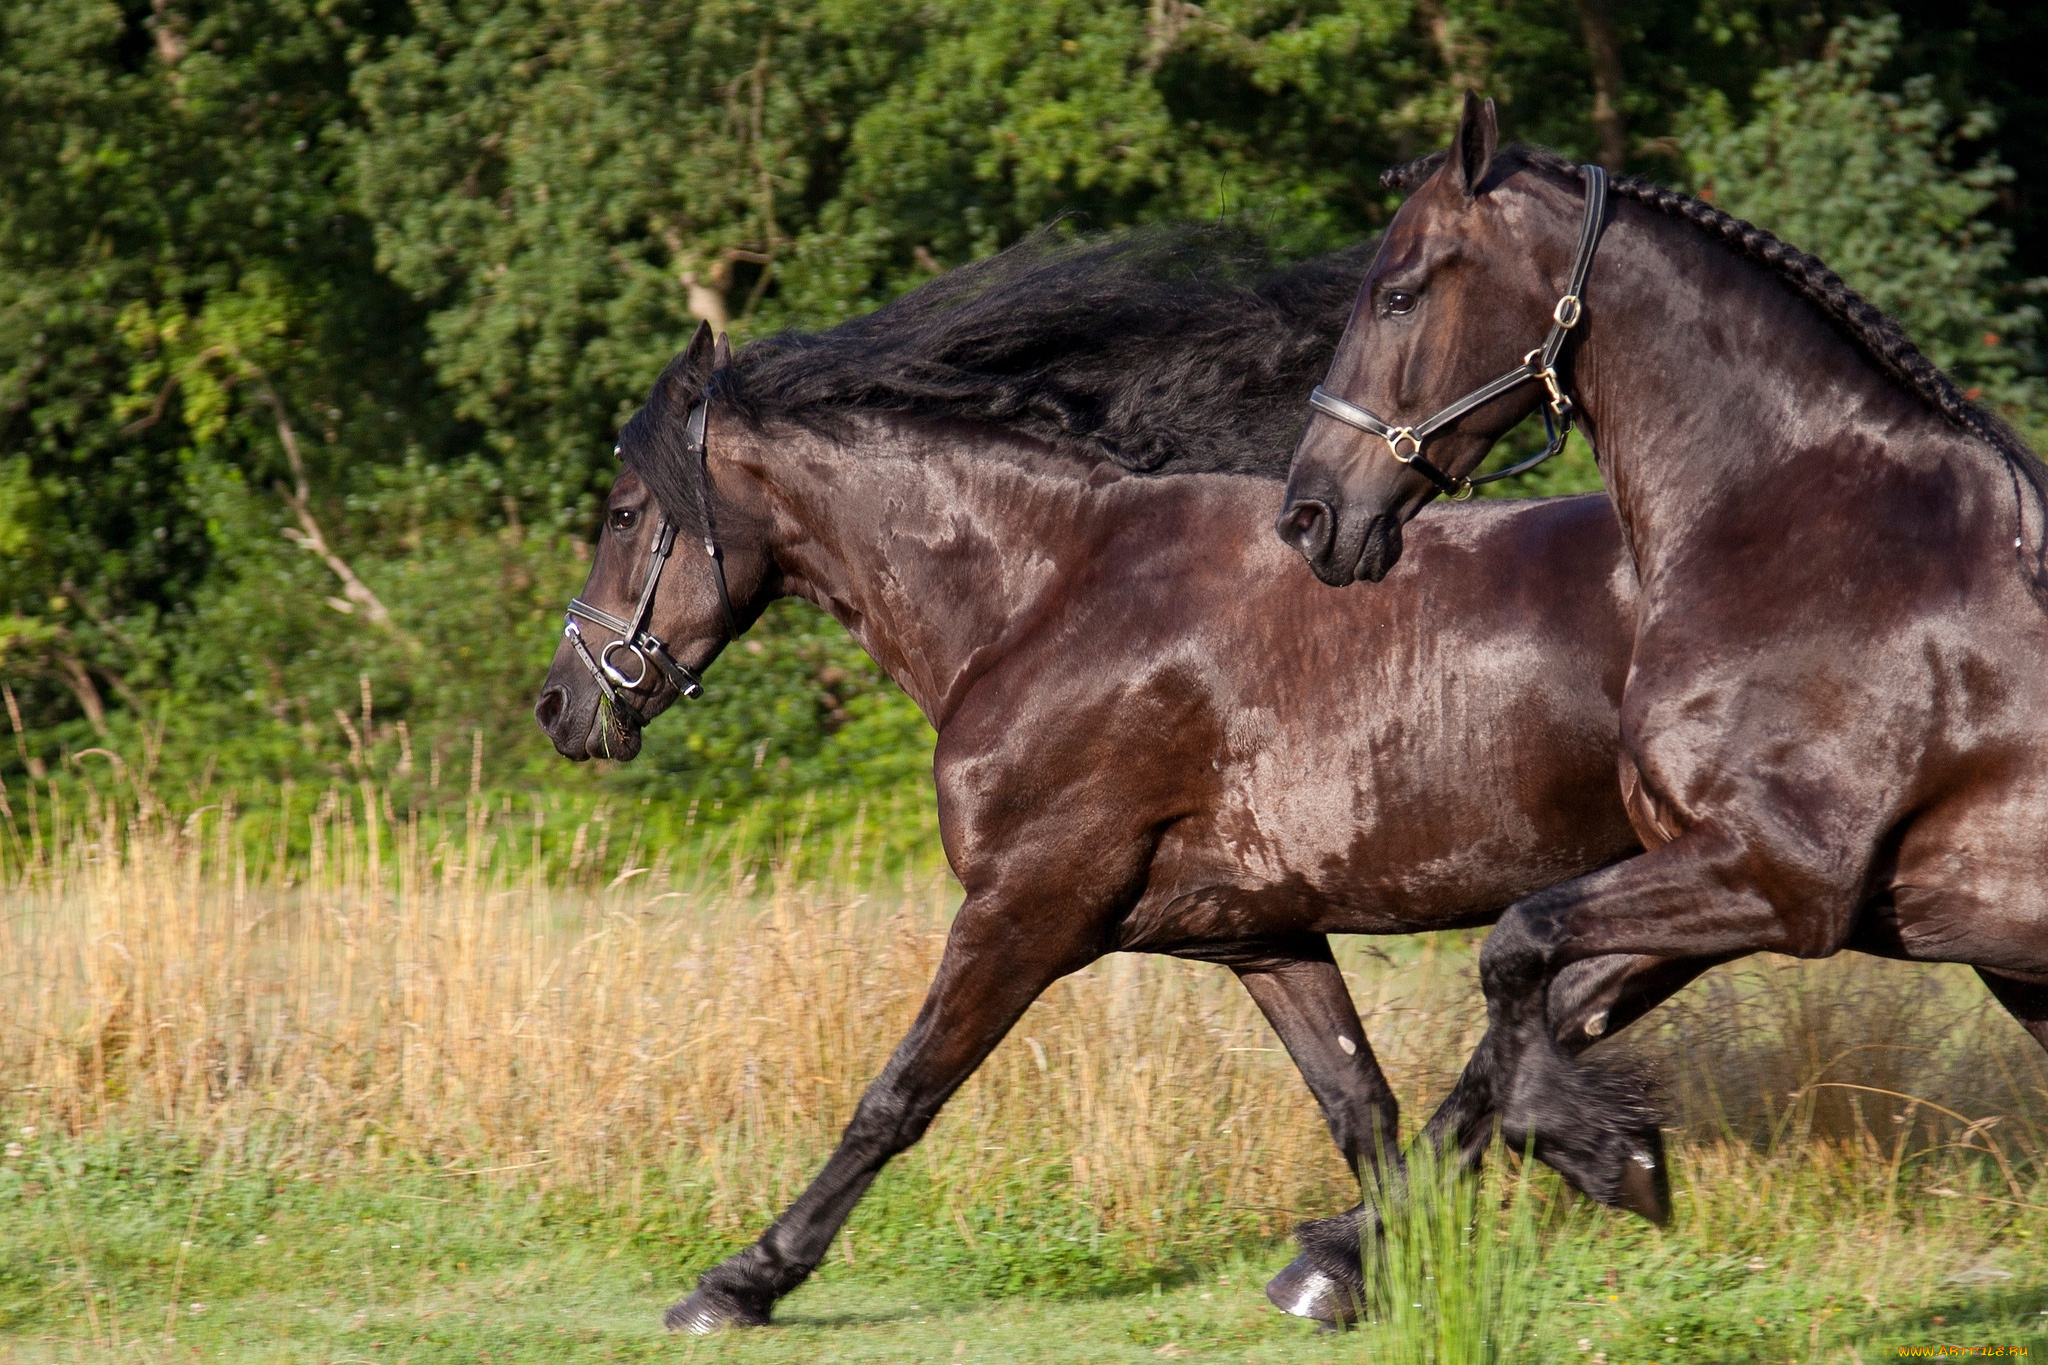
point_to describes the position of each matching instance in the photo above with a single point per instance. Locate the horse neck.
(934, 544)
(1718, 385)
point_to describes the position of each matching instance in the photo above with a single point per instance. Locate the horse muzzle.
(589, 728)
(1338, 553)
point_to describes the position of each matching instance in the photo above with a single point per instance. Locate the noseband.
(1539, 364)
(635, 640)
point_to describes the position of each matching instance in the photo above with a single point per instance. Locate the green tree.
(1870, 181)
(179, 270)
(566, 183)
(317, 317)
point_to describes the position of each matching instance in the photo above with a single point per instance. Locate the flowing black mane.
(1862, 322)
(1175, 349)
(1166, 350)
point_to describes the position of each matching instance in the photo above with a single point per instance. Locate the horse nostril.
(549, 708)
(1308, 527)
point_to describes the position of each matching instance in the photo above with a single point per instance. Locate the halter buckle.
(1559, 404)
(1567, 312)
(1398, 435)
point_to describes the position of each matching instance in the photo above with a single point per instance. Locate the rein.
(1539, 364)
(634, 638)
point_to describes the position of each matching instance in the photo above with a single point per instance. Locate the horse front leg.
(997, 961)
(1688, 901)
(1585, 1001)
(2027, 1001)
(1304, 998)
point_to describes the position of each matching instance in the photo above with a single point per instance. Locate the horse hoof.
(1645, 1186)
(711, 1310)
(1307, 1292)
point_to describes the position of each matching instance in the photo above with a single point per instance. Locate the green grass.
(455, 1094)
(1452, 1279)
(285, 1265)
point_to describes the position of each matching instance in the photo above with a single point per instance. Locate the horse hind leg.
(1305, 1000)
(1309, 1007)
(2026, 1001)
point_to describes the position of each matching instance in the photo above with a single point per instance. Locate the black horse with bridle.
(1832, 730)
(1036, 491)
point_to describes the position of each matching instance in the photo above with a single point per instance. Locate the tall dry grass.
(439, 994)
(426, 993)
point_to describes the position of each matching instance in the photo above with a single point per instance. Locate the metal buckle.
(1398, 435)
(1559, 404)
(604, 660)
(1567, 312)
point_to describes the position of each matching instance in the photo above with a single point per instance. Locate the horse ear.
(721, 352)
(1473, 145)
(697, 360)
(685, 377)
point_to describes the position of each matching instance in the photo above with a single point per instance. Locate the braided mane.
(1854, 316)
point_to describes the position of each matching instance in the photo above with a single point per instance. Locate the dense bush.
(317, 316)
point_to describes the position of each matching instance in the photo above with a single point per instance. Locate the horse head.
(675, 554)
(1466, 279)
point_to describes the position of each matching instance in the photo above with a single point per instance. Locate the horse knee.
(887, 1120)
(1515, 955)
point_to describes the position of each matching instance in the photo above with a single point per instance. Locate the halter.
(1539, 364)
(634, 639)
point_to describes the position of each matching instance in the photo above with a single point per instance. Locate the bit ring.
(604, 660)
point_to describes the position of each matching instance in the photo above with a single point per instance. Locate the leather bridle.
(1539, 365)
(634, 638)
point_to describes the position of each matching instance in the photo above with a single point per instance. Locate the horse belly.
(1971, 882)
(1213, 885)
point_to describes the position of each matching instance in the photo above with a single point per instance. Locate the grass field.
(138, 1249)
(412, 1090)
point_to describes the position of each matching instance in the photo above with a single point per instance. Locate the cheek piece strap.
(1540, 365)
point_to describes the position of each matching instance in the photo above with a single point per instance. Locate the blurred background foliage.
(317, 316)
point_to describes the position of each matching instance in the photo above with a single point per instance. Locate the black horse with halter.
(634, 638)
(1539, 364)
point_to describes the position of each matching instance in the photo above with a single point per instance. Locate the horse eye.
(622, 519)
(1398, 301)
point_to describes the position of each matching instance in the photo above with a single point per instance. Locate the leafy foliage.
(317, 317)
(181, 273)
(1867, 180)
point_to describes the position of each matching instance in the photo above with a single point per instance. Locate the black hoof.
(1306, 1291)
(1644, 1186)
(712, 1310)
